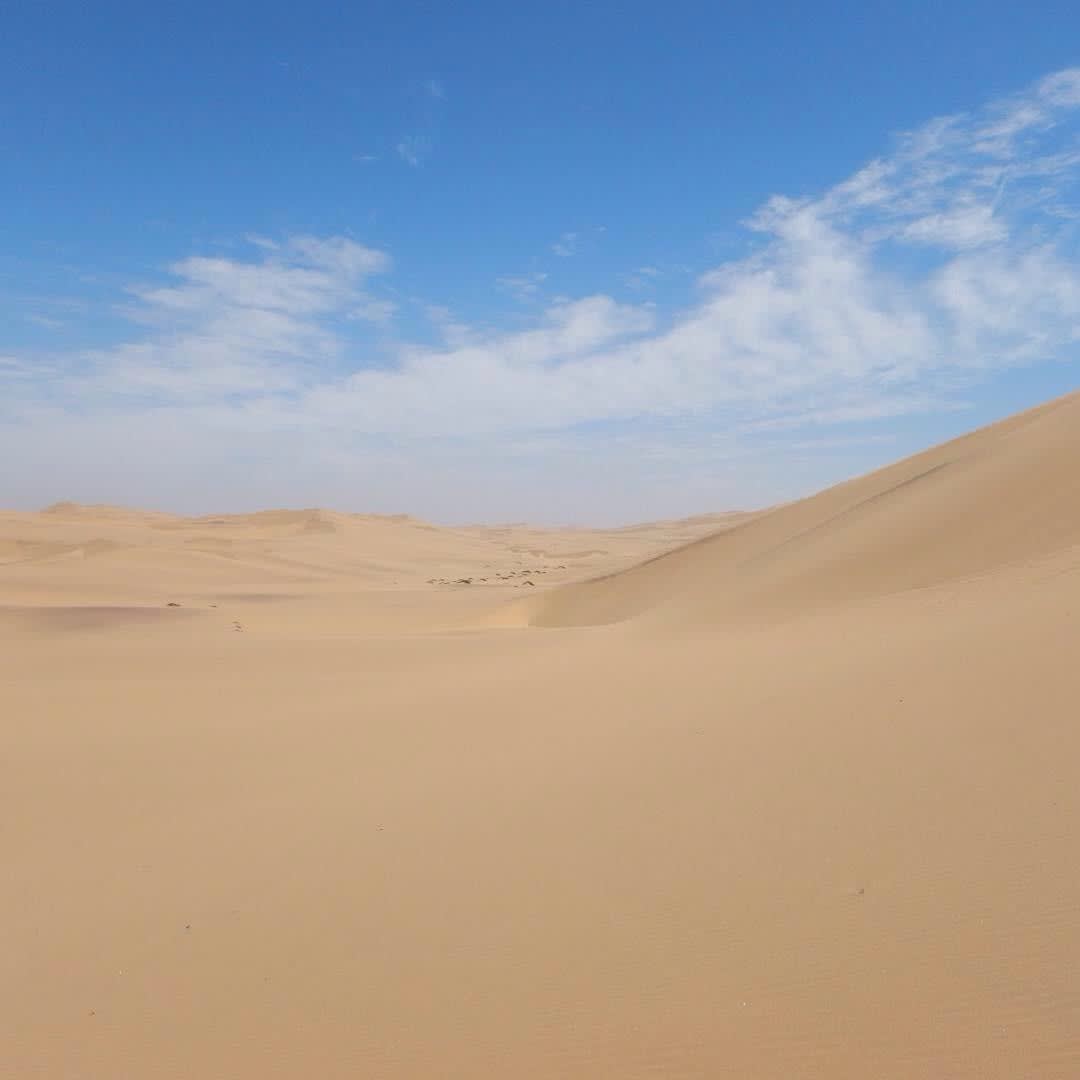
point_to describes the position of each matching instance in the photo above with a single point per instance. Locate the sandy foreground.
(798, 799)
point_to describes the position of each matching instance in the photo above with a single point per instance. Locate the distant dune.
(69, 553)
(791, 794)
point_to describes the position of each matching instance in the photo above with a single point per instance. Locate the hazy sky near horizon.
(560, 262)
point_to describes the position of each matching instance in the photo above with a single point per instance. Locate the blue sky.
(565, 262)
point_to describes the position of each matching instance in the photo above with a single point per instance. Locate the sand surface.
(799, 798)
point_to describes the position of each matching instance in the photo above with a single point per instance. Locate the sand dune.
(72, 554)
(1007, 493)
(769, 796)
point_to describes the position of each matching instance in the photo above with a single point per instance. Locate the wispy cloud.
(567, 245)
(641, 278)
(231, 327)
(452, 330)
(46, 322)
(522, 287)
(570, 244)
(946, 260)
(428, 102)
(412, 149)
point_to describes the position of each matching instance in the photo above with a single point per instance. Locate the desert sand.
(784, 795)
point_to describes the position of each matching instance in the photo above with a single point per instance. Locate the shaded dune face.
(788, 795)
(1005, 494)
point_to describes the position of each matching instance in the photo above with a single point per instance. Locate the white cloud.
(936, 265)
(958, 227)
(313, 275)
(225, 326)
(1062, 88)
(452, 330)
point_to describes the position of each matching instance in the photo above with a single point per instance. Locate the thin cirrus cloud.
(567, 245)
(413, 149)
(570, 244)
(946, 261)
(524, 288)
(641, 278)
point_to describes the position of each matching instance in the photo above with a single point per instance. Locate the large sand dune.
(787, 795)
(1006, 494)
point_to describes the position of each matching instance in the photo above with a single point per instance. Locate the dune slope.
(1009, 492)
